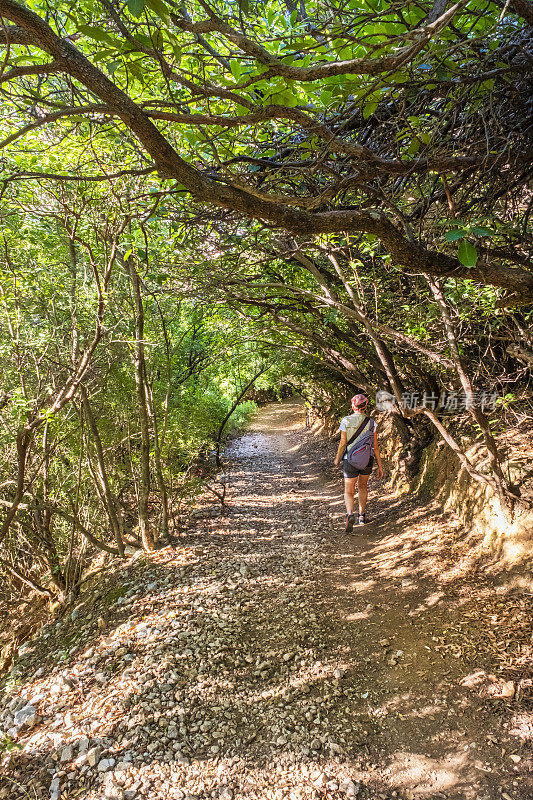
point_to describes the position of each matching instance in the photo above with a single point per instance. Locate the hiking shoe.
(350, 521)
(362, 520)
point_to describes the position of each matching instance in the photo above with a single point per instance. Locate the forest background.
(197, 198)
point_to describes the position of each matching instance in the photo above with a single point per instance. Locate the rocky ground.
(265, 654)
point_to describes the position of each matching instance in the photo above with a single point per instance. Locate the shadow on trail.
(266, 654)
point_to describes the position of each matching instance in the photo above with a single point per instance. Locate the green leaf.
(414, 147)
(481, 231)
(102, 54)
(160, 8)
(467, 254)
(236, 69)
(244, 5)
(98, 35)
(285, 98)
(136, 7)
(452, 236)
(136, 70)
(369, 109)
(127, 254)
(145, 40)
(294, 17)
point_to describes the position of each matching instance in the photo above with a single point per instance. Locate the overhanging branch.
(405, 253)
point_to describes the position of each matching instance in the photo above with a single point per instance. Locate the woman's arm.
(378, 454)
(341, 448)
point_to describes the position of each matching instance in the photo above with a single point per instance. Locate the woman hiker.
(355, 428)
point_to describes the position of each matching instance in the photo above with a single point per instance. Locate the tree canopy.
(331, 194)
(348, 118)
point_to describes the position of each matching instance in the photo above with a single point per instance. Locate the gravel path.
(265, 654)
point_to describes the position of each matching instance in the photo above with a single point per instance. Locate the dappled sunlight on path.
(265, 654)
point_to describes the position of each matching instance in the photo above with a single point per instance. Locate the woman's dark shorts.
(351, 472)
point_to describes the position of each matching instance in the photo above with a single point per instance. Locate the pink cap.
(359, 400)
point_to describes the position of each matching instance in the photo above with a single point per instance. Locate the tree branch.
(54, 176)
(15, 34)
(30, 69)
(47, 118)
(356, 66)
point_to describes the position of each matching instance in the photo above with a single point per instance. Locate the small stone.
(350, 788)
(26, 717)
(61, 686)
(55, 789)
(92, 756)
(66, 754)
(319, 780)
(112, 790)
(105, 763)
(68, 720)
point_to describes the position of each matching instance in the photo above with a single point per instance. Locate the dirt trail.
(265, 654)
(398, 597)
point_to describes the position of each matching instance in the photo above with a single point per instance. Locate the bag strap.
(358, 431)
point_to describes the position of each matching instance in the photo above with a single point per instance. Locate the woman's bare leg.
(362, 492)
(349, 492)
